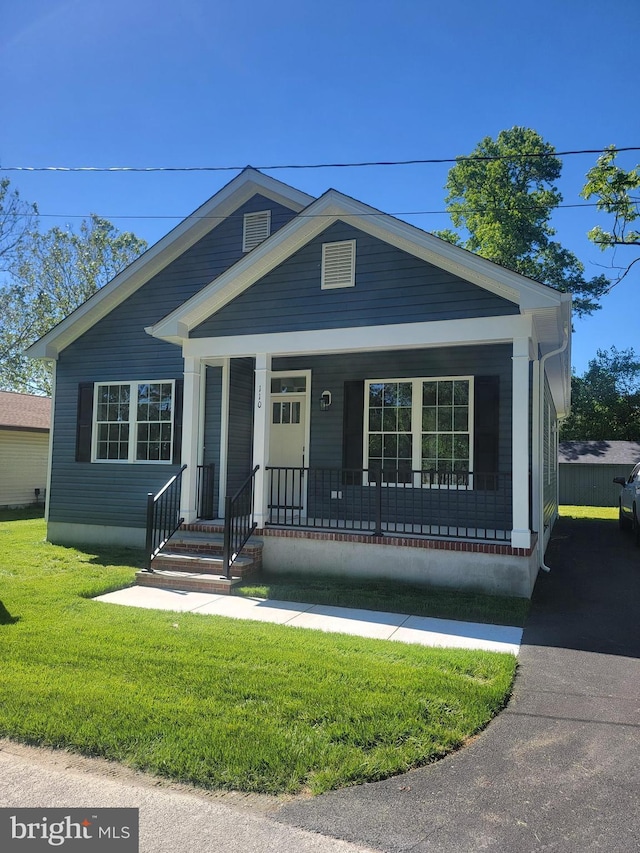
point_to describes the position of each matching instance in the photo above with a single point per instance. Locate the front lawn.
(390, 596)
(217, 702)
(602, 513)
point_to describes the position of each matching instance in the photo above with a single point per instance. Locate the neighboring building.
(587, 469)
(24, 448)
(397, 395)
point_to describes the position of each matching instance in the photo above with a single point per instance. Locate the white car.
(629, 502)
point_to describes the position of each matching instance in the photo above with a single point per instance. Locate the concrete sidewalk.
(172, 817)
(400, 627)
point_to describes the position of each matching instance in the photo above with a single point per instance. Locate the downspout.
(541, 365)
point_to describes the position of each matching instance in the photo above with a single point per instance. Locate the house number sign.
(259, 396)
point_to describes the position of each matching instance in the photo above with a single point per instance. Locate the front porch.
(308, 426)
(433, 461)
(343, 523)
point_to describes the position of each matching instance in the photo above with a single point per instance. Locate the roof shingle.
(24, 411)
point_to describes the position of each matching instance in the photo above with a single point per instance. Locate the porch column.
(261, 424)
(190, 438)
(520, 534)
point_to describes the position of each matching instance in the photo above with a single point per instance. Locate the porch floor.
(399, 627)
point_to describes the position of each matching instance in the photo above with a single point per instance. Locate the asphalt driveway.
(559, 769)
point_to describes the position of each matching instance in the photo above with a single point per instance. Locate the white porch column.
(190, 438)
(261, 425)
(520, 534)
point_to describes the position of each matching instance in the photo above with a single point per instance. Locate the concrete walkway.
(400, 627)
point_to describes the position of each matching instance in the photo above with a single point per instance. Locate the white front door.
(287, 451)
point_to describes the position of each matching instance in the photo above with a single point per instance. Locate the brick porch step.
(192, 561)
(196, 582)
(180, 560)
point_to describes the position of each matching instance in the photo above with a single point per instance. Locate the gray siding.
(391, 287)
(240, 445)
(118, 349)
(212, 424)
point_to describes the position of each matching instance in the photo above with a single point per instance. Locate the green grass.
(389, 596)
(217, 702)
(596, 512)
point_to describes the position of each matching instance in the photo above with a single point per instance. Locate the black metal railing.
(206, 491)
(238, 521)
(452, 504)
(163, 517)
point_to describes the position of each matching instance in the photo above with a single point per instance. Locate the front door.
(287, 450)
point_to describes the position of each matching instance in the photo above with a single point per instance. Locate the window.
(418, 431)
(289, 385)
(338, 264)
(257, 227)
(286, 413)
(133, 421)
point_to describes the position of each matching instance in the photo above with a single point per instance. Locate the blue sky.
(156, 83)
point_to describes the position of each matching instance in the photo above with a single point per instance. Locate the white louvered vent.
(339, 264)
(257, 227)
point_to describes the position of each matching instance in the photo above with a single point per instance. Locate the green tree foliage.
(51, 275)
(503, 195)
(617, 193)
(605, 401)
(15, 222)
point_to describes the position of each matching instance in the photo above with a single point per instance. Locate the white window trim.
(255, 215)
(350, 280)
(416, 427)
(133, 385)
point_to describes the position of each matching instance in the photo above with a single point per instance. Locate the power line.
(299, 216)
(274, 167)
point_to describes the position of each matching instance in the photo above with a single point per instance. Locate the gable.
(219, 211)
(391, 286)
(118, 338)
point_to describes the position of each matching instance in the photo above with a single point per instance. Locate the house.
(24, 448)
(587, 469)
(388, 399)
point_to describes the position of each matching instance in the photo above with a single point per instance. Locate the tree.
(503, 195)
(605, 401)
(15, 222)
(52, 274)
(617, 193)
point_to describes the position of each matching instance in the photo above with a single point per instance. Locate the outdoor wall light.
(325, 400)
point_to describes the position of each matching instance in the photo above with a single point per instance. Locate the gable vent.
(339, 264)
(257, 227)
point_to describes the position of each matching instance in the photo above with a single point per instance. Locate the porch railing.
(453, 504)
(238, 521)
(163, 517)
(205, 491)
